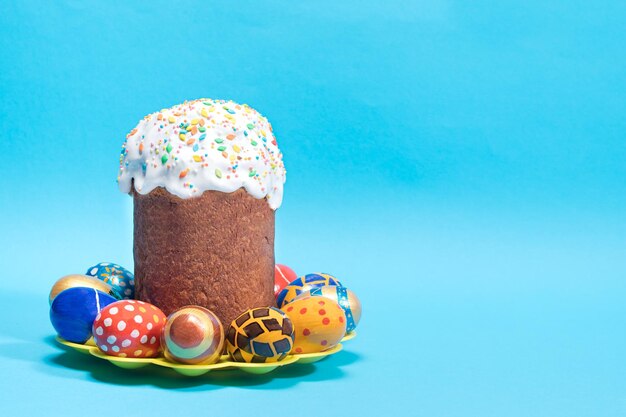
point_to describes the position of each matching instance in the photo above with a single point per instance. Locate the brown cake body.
(215, 251)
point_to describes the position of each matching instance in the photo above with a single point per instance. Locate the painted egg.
(73, 311)
(342, 296)
(76, 280)
(129, 328)
(193, 335)
(260, 335)
(283, 275)
(303, 284)
(121, 279)
(319, 324)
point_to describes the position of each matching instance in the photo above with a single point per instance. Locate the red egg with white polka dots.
(129, 329)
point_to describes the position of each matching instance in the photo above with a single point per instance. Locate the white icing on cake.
(203, 145)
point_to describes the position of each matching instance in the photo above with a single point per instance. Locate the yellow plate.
(318, 356)
(196, 370)
(263, 368)
(349, 336)
(82, 348)
(126, 363)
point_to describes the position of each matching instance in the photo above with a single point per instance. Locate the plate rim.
(227, 364)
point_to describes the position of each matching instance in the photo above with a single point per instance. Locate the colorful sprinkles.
(204, 145)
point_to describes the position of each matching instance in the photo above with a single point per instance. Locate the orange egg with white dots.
(319, 324)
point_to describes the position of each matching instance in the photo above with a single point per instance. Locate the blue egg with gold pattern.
(74, 310)
(303, 284)
(118, 277)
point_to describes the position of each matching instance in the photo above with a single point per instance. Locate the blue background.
(459, 165)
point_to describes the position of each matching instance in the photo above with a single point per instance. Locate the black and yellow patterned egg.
(260, 335)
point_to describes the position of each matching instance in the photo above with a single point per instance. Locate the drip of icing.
(203, 145)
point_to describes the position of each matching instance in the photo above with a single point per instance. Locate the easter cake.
(206, 177)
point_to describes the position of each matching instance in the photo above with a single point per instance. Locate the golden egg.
(77, 280)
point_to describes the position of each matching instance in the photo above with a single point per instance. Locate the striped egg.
(193, 335)
(303, 284)
(342, 296)
(319, 324)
